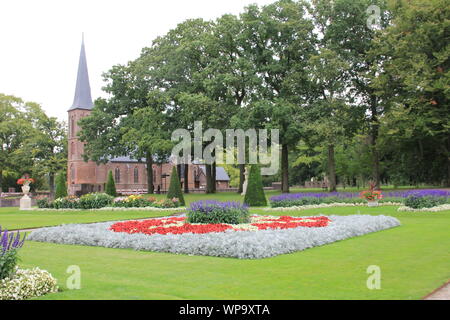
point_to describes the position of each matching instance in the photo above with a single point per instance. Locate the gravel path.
(441, 293)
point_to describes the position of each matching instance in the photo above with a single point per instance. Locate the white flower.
(27, 283)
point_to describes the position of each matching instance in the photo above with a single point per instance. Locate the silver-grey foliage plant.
(235, 244)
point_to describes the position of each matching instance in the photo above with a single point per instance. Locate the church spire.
(82, 99)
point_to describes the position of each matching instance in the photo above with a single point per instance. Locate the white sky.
(40, 40)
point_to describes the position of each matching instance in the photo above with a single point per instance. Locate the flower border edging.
(329, 205)
(115, 209)
(442, 207)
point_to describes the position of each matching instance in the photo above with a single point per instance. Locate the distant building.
(130, 175)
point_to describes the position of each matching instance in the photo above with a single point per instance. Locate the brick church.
(130, 175)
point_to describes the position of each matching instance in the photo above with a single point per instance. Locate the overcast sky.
(40, 40)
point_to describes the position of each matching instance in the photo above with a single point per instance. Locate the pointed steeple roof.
(82, 99)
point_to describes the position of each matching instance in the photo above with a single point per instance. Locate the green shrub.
(61, 187)
(44, 203)
(69, 202)
(134, 201)
(175, 187)
(417, 202)
(110, 188)
(210, 211)
(8, 262)
(254, 195)
(95, 201)
(167, 203)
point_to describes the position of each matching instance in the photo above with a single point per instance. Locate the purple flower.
(206, 206)
(10, 241)
(349, 195)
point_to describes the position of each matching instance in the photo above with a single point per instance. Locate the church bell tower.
(80, 174)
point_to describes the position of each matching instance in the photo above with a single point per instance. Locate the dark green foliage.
(8, 262)
(175, 187)
(43, 203)
(254, 195)
(110, 185)
(61, 188)
(417, 202)
(95, 201)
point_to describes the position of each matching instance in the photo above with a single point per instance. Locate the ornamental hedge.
(175, 187)
(110, 185)
(254, 195)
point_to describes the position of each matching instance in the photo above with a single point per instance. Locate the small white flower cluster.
(116, 209)
(442, 207)
(27, 283)
(328, 205)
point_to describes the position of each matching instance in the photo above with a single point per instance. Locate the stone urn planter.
(25, 201)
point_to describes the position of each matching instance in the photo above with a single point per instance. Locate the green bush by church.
(254, 195)
(110, 185)
(175, 187)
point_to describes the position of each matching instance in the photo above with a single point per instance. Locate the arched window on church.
(117, 175)
(72, 127)
(72, 173)
(136, 175)
(72, 149)
(154, 175)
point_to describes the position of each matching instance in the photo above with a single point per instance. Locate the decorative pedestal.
(372, 203)
(25, 201)
(244, 186)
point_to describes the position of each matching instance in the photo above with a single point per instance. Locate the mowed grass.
(414, 260)
(13, 218)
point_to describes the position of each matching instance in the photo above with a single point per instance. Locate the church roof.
(126, 159)
(221, 174)
(82, 99)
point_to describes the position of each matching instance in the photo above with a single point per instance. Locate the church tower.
(81, 175)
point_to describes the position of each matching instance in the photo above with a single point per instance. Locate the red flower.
(25, 180)
(176, 225)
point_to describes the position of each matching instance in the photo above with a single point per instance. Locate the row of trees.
(357, 91)
(30, 142)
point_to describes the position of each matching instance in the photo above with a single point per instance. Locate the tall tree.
(281, 39)
(347, 29)
(416, 78)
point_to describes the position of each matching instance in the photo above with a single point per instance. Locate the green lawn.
(13, 218)
(414, 260)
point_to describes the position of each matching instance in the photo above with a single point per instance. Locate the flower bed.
(211, 211)
(273, 236)
(310, 198)
(327, 205)
(15, 283)
(27, 283)
(179, 225)
(102, 200)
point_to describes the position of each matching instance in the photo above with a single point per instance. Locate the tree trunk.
(241, 178)
(373, 141)
(213, 176)
(284, 169)
(1, 181)
(51, 183)
(208, 174)
(331, 169)
(186, 178)
(150, 186)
